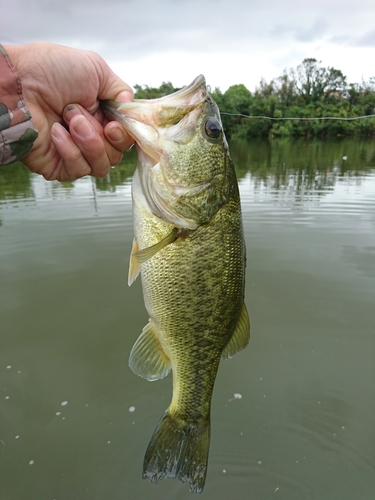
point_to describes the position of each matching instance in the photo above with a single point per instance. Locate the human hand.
(62, 87)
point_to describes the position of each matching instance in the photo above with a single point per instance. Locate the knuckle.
(72, 154)
(76, 166)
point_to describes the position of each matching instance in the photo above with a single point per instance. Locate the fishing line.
(301, 118)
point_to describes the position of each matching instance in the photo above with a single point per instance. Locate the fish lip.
(179, 95)
(184, 92)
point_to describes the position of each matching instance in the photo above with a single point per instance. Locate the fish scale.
(189, 250)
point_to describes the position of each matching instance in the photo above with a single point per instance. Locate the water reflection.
(120, 175)
(15, 182)
(303, 166)
(276, 158)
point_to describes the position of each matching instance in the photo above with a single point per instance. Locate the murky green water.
(75, 421)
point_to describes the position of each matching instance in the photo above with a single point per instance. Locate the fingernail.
(83, 128)
(70, 111)
(116, 134)
(58, 132)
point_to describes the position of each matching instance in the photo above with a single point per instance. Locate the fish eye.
(212, 128)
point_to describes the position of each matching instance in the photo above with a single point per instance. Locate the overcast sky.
(229, 41)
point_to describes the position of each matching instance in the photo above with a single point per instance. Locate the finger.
(114, 131)
(72, 110)
(114, 146)
(118, 137)
(72, 164)
(115, 136)
(111, 86)
(97, 152)
(91, 146)
(96, 110)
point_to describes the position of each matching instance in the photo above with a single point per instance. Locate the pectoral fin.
(147, 358)
(134, 267)
(240, 337)
(146, 253)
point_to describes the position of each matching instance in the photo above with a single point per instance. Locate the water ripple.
(348, 203)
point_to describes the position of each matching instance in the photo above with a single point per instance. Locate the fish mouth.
(147, 120)
(155, 124)
(160, 112)
(182, 97)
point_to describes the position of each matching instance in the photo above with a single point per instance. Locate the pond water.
(75, 420)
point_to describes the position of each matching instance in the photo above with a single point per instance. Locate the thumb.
(111, 87)
(124, 96)
(115, 89)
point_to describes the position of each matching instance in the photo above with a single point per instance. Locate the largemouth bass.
(190, 252)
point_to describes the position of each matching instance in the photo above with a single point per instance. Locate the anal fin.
(240, 337)
(147, 358)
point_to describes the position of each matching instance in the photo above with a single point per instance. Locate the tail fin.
(178, 449)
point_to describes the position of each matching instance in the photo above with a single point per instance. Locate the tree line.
(300, 102)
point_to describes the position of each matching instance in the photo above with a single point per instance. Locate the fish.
(189, 249)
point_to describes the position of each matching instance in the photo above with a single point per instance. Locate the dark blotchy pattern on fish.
(190, 246)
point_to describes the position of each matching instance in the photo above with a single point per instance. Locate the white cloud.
(237, 41)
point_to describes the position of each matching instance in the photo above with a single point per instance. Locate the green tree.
(293, 104)
(146, 92)
(286, 89)
(315, 83)
(236, 101)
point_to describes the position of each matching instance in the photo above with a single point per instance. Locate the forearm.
(17, 132)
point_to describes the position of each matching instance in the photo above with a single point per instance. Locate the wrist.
(10, 49)
(21, 58)
(13, 53)
(18, 133)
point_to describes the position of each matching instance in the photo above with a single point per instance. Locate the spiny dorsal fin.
(146, 253)
(240, 337)
(147, 358)
(134, 267)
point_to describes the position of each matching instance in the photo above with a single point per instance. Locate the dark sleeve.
(17, 132)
